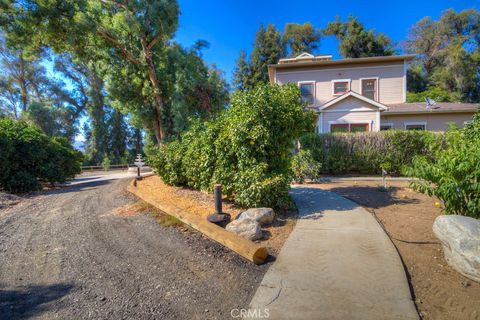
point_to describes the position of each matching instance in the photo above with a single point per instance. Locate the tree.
(448, 53)
(267, 49)
(356, 42)
(299, 38)
(241, 74)
(118, 136)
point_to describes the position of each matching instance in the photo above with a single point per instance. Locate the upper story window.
(369, 88)
(340, 87)
(307, 91)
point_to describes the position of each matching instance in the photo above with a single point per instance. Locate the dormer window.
(340, 87)
(307, 91)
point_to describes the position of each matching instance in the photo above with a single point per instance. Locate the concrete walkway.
(338, 263)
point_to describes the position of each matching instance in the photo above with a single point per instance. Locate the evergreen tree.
(357, 42)
(117, 136)
(267, 49)
(241, 75)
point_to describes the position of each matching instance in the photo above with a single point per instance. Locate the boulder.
(460, 238)
(247, 228)
(261, 215)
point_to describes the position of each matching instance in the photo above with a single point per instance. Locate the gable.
(351, 104)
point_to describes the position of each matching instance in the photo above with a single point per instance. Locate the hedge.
(248, 148)
(28, 157)
(368, 153)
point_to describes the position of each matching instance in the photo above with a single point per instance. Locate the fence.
(112, 167)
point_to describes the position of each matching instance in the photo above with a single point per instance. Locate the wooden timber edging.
(246, 248)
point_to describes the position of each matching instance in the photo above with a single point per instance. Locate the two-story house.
(364, 94)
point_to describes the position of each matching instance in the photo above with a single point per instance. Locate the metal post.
(218, 217)
(218, 198)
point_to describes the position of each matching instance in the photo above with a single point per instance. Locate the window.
(334, 128)
(349, 127)
(369, 88)
(415, 126)
(307, 91)
(341, 86)
(386, 126)
(358, 127)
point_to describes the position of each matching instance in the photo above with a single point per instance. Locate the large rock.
(247, 228)
(460, 237)
(261, 215)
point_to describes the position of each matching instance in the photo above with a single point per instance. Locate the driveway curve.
(66, 254)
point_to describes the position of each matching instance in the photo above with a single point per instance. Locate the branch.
(107, 36)
(154, 41)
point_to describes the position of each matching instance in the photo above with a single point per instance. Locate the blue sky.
(230, 26)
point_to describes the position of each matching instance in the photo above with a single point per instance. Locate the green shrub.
(453, 173)
(305, 167)
(106, 163)
(370, 152)
(29, 157)
(247, 148)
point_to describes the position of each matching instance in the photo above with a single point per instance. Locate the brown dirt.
(439, 291)
(202, 204)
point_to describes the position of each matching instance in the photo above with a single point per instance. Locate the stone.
(261, 215)
(460, 238)
(247, 228)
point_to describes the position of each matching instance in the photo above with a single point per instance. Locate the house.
(364, 94)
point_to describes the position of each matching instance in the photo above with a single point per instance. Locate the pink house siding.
(435, 122)
(391, 82)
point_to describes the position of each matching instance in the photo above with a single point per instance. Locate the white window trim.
(386, 124)
(377, 81)
(415, 123)
(349, 85)
(299, 83)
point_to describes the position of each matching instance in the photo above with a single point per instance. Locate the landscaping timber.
(247, 249)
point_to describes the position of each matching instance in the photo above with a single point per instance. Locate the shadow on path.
(30, 301)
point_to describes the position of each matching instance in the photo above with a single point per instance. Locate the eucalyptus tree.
(356, 42)
(299, 38)
(448, 52)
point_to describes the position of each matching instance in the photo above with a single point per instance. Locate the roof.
(305, 56)
(305, 60)
(355, 95)
(319, 63)
(439, 107)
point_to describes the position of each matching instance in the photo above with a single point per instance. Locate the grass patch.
(142, 207)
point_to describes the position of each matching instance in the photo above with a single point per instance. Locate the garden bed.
(201, 204)
(439, 291)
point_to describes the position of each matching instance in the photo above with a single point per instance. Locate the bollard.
(218, 217)
(217, 192)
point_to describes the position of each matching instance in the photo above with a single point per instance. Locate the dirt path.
(66, 254)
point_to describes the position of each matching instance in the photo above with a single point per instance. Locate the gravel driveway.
(66, 254)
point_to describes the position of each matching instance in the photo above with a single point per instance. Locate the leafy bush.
(305, 167)
(248, 148)
(435, 93)
(369, 152)
(29, 157)
(106, 163)
(453, 174)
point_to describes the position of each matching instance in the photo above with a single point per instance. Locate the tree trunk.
(157, 125)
